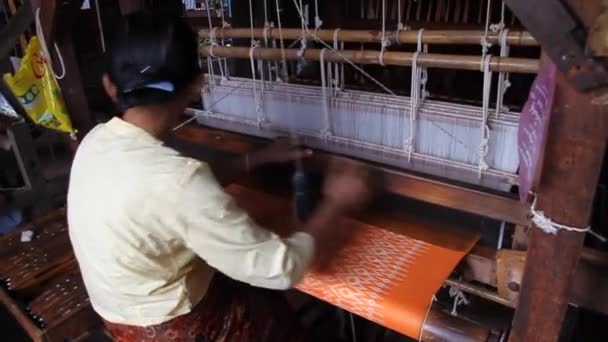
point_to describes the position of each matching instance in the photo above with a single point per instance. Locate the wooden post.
(573, 158)
(57, 20)
(130, 6)
(576, 144)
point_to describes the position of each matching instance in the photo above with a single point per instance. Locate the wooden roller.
(432, 60)
(435, 37)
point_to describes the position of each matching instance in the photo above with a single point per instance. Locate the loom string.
(211, 106)
(380, 84)
(212, 45)
(224, 25)
(213, 42)
(282, 43)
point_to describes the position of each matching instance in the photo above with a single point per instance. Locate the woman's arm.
(226, 171)
(222, 234)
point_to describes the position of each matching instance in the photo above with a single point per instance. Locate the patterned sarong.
(230, 312)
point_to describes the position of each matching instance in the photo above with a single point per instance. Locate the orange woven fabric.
(380, 275)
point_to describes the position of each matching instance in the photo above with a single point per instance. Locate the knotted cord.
(374, 80)
(327, 130)
(485, 129)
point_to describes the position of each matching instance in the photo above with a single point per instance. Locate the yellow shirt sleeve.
(224, 235)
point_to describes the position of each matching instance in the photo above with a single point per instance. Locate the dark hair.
(151, 57)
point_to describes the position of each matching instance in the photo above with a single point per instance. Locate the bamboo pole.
(456, 37)
(442, 61)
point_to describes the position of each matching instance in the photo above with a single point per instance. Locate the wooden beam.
(435, 37)
(435, 192)
(431, 60)
(573, 158)
(587, 290)
(563, 36)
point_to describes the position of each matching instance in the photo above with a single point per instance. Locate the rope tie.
(503, 78)
(400, 18)
(327, 131)
(485, 129)
(400, 28)
(267, 26)
(213, 43)
(211, 46)
(385, 43)
(498, 27)
(256, 96)
(424, 76)
(485, 44)
(336, 80)
(302, 49)
(318, 21)
(459, 299)
(282, 43)
(414, 105)
(551, 227)
(266, 23)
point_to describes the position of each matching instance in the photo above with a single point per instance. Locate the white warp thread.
(384, 41)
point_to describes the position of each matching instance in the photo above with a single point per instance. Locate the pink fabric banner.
(533, 125)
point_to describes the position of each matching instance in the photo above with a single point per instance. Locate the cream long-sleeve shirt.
(149, 228)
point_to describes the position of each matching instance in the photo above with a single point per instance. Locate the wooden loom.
(496, 275)
(564, 188)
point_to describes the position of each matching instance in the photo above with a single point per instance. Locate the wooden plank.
(573, 158)
(13, 10)
(435, 192)
(15, 28)
(24, 321)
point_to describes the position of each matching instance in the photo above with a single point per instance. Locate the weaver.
(164, 252)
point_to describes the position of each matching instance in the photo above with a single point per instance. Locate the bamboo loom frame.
(432, 60)
(440, 37)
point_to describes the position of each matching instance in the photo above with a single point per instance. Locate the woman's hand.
(281, 151)
(347, 186)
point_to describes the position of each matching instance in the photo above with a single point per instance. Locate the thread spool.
(303, 195)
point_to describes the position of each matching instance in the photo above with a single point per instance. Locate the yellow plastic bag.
(35, 86)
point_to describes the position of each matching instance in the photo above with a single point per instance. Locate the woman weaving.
(164, 252)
